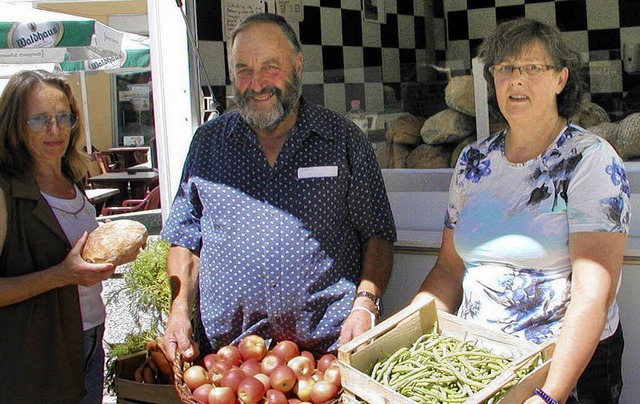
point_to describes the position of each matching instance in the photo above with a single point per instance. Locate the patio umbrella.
(38, 39)
(30, 35)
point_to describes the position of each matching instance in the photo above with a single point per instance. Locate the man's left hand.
(357, 323)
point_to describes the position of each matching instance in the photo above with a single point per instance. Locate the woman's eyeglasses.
(41, 122)
(530, 71)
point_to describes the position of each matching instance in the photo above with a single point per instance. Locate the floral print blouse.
(512, 225)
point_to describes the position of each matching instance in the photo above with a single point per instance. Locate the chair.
(108, 162)
(102, 162)
(150, 201)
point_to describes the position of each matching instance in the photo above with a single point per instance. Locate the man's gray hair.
(265, 18)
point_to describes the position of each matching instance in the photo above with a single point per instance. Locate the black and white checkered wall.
(347, 58)
(598, 29)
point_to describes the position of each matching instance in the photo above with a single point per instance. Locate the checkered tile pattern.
(346, 57)
(382, 64)
(597, 29)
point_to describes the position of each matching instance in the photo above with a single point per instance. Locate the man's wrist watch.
(375, 299)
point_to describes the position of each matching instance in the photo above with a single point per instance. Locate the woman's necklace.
(65, 207)
(64, 212)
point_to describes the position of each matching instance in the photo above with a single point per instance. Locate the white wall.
(418, 200)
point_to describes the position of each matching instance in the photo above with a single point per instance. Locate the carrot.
(138, 374)
(150, 363)
(148, 376)
(163, 365)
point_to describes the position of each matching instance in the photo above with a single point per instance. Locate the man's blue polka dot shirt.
(280, 247)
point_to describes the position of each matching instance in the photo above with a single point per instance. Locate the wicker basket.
(181, 387)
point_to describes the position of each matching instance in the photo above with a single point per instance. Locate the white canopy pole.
(85, 109)
(172, 101)
(481, 97)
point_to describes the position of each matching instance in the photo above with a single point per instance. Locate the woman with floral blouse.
(537, 220)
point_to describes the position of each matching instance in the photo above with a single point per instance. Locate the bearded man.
(281, 225)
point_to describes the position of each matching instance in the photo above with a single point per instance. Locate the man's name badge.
(317, 172)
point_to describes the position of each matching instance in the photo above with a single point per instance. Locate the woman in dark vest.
(51, 312)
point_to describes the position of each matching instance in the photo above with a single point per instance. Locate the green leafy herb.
(146, 286)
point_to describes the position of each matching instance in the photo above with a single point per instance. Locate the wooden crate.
(357, 358)
(130, 391)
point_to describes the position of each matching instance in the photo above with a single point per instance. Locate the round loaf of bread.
(117, 242)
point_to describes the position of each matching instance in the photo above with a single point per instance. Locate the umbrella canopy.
(38, 39)
(132, 56)
(29, 35)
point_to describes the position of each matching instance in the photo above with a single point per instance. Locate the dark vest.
(41, 338)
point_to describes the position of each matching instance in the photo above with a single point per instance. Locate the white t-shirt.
(75, 217)
(512, 225)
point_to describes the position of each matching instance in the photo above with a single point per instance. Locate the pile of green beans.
(524, 370)
(439, 369)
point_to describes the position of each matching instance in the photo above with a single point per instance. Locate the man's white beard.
(260, 119)
(271, 118)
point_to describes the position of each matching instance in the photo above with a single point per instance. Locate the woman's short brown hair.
(512, 37)
(15, 158)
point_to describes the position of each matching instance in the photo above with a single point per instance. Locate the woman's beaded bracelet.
(547, 398)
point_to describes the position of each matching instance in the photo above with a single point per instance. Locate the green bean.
(528, 367)
(376, 366)
(387, 364)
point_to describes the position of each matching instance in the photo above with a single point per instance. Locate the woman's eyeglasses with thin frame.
(41, 122)
(529, 71)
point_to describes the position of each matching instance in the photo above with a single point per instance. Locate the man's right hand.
(177, 337)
